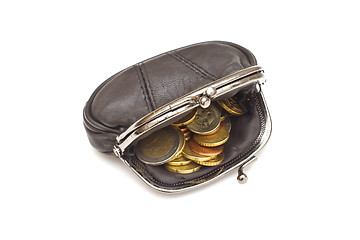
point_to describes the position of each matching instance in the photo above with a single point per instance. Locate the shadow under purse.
(183, 118)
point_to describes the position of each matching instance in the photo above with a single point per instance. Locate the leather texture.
(138, 90)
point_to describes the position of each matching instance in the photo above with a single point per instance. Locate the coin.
(214, 140)
(187, 138)
(213, 162)
(214, 131)
(182, 141)
(161, 146)
(223, 113)
(206, 120)
(184, 169)
(223, 117)
(227, 124)
(189, 154)
(206, 151)
(231, 106)
(187, 119)
(179, 161)
(187, 134)
(184, 129)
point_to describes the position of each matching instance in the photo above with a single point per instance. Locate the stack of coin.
(195, 140)
(209, 135)
(231, 106)
(187, 133)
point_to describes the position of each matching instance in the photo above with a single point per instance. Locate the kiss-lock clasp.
(205, 99)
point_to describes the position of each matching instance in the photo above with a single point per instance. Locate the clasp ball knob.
(210, 92)
(242, 178)
(204, 102)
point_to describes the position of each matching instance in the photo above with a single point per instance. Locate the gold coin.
(214, 140)
(188, 138)
(189, 154)
(187, 119)
(224, 116)
(182, 142)
(179, 161)
(184, 129)
(187, 134)
(161, 146)
(183, 169)
(231, 106)
(206, 121)
(213, 162)
(227, 124)
(177, 156)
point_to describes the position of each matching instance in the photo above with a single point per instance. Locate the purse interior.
(245, 135)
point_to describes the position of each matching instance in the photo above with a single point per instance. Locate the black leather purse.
(154, 93)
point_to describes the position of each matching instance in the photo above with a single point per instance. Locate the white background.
(54, 185)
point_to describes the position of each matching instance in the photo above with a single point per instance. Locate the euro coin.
(188, 138)
(214, 140)
(223, 113)
(179, 161)
(187, 119)
(214, 131)
(224, 116)
(206, 120)
(187, 134)
(184, 169)
(231, 106)
(161, 146)
(184, 129)
(189, 154)
(213, 162)
(227, 124)
(182, 141)
(206, 151)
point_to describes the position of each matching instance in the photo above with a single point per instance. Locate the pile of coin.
(194, 141)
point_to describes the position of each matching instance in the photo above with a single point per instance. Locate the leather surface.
(134, 92)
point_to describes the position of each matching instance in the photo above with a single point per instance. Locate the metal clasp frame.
(201, 97)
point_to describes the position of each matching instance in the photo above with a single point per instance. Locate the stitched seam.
(147, 85)
(142, 87)
(195, 65)
(190, 66)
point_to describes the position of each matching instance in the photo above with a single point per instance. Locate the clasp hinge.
(117, 151)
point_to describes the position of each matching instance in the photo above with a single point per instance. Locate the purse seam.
(211, 76)
(147, 85)
(142, 86)
(197, 69)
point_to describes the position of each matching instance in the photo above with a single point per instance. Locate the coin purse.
(155, 93)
